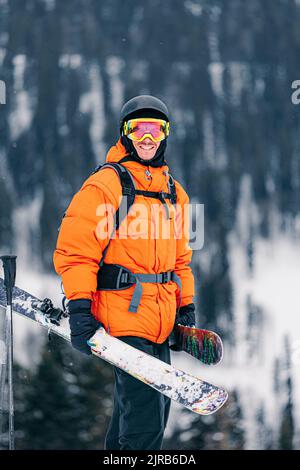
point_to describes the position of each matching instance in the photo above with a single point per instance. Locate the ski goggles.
(138, 129)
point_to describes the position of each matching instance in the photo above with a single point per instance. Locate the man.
(92, 262)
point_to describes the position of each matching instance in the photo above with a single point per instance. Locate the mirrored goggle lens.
(139, 129)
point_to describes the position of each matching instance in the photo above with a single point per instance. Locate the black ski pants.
(140, 413)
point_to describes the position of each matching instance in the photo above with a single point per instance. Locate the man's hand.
(185, 317)
(83, 325)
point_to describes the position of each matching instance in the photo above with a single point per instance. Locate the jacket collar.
(158, 177)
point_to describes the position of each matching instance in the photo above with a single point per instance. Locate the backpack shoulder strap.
(128, 191)
(128, 196)
(172, 189)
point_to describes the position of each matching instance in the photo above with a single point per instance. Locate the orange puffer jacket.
(79, 250)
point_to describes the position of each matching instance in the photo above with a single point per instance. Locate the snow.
(26, 228)
(29, 337)
(2, 352)
(213, 35)
(216, 70)
(260, 87)
(273, 287)
(216, 67)
(72, 61)
(214, 126)
(93, 102)
(2, 55)
(141, 70)
(178, 117)
(114, 66)
(21, 115)
(208, 138)
(193, 7)
(240, 78)
(4, 171)
(49, 4)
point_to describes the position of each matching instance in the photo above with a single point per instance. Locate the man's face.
(146, 149)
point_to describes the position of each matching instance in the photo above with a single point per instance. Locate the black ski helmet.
(143, 106)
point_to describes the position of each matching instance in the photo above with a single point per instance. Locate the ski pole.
(9, 266)
(3, 372)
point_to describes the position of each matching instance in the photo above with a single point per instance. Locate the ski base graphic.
(204, 345)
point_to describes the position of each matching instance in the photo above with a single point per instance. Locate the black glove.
(185, 316)
(83, 325)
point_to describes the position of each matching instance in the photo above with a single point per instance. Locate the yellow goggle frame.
(141, 128)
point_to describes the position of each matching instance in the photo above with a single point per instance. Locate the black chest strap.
(160, 195)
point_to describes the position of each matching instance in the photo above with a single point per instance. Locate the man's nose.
(147, 141)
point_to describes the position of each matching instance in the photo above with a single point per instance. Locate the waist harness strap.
(116, 277)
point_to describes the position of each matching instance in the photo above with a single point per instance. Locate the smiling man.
(96, 271)
(146, 149)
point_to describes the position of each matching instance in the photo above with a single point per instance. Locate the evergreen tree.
(220, 431)
(264, 434)
(65, 403)
(287, 426)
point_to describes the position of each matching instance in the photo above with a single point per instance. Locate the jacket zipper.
(148, 174)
